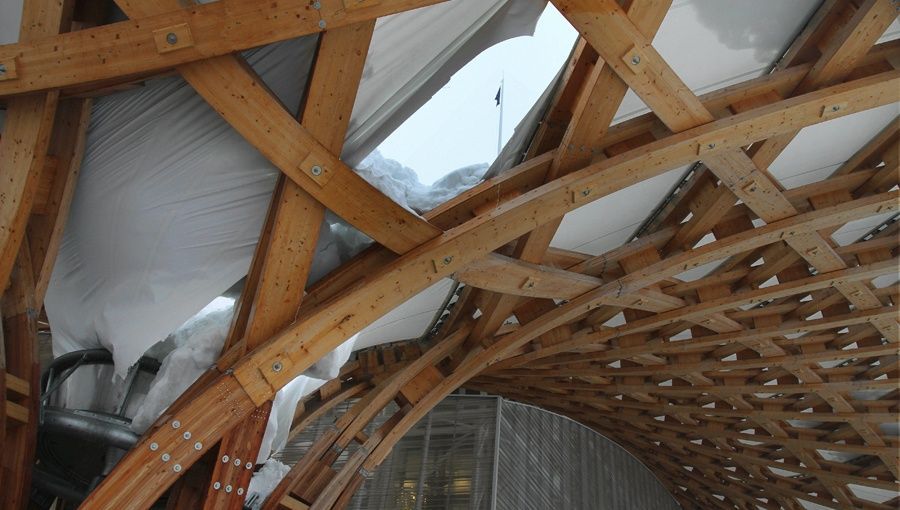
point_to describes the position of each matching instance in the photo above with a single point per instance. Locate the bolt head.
(448, 259)
(277, 366)
(154, 447)
(171, 38)
(585, 192)
(225, 459)
(217, 486)
(176, 468)
(186, 435)
(165, 457)
(237, 462)
(228, 489)
(835, 108)
(240, 491)
(316, 170)
(322, 24)
(176, 424)
(635, 59)
(198, 446)
(248, 465)
(2, 68)
(710, 146)
(317, 5)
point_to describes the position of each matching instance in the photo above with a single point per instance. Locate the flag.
(497, 97)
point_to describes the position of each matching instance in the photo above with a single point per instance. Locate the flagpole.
(500, 128)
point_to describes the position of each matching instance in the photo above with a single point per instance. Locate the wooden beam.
(295, 349)
(292, 241)
(140, 46)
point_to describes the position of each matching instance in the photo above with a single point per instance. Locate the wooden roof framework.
(712, 415)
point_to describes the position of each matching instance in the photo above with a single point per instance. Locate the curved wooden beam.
(258, 376)
(140, 46)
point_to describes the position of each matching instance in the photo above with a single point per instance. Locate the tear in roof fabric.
(170, 200)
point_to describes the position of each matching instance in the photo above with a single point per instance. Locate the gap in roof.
(458, 126)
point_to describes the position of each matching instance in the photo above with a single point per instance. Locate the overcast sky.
(458, 126)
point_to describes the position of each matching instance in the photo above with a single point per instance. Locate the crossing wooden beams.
(731, 388)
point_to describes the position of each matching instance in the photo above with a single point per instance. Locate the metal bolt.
(186, 435)
(237, 462)
(154, 447)
(176, 468)
(171, 38)
(176, 424)
(224, 459)
(2, 69)
(277, 366)
(240, 491)
(448, 259)
(217, 486)
(248, 465)
(836, 107)
(635, 59)
(165, 457)
(317, 5)
(322, 24)
(316, 170)
(585, 193)
(710, 146)
(198, 446)
(228, 488)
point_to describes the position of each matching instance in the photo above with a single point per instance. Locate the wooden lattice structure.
(715, 416)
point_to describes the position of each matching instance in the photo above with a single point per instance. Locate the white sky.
(458, 126)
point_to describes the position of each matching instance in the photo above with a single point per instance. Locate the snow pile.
(402, 185)
(197, 345)
(264, 482)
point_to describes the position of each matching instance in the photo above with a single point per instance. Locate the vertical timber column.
(283, 263)
(23, 150)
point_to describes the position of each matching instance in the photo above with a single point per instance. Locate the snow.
(198, 344)
(264, 482)
(402, 184)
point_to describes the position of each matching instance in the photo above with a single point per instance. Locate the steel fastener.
(237, 462)
(154, 447)
(277, 366)
(240, 491)
(635, 59)
(228, 489)
(176, 468)
(225, 458)
(217, 486)
(198, 446)
(176, 424)
(186, 435)
(165, 457)
(316, 170)
(248, 465)
(171, 38)
(322, 24)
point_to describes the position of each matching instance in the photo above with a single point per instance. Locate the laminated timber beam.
(632, 56)
(286, 257)
(140, 46)
(230, 398)
(229, 85)
(592, 113)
